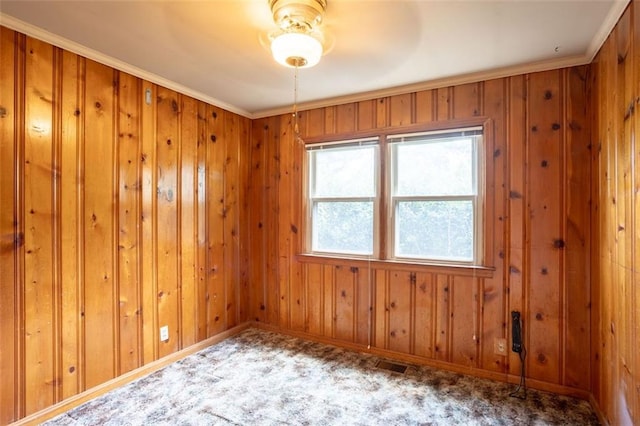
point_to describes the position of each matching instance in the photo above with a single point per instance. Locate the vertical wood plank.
(547, 239)
(202, 208)
(284, 220)
(11, 238)
(517, 240)
(492, 293)
(189, 221)
(329, 305)
(464, 320)
(635, 301)
(167, 142)
(425, 106)
(344, 303)
(215, 222)
(70, 227)
(272, 221)
(578, 293)
(382, 112)
(381, 337)
(443, 103)
(314, 120)
(314, 291)
(231, 216)
(366, 115)
(345, 118)
(466, 100)
(244, 161)
(424, 313)
(363, 306)
(128, 214)
(400, 308)
(99, 193)
(401, 109)
(38, 177)
(296, 226)
(442, 334)
(257, 219)
(149, 279)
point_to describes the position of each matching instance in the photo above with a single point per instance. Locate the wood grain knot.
(213, 138)
(548, 95)
(539, 316)
(544, 163)
(3, 112)
(544, 271)
(558, 243)
(556, 126)
(542, 359)
(98, 105)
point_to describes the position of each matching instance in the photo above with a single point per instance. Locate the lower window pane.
(439, 230)
(343, 227)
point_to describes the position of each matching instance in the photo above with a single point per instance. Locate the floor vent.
(391, 366)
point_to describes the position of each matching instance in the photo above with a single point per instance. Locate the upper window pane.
(435, 167)
(343, 172)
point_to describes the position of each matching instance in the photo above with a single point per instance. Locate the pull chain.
(296, 128)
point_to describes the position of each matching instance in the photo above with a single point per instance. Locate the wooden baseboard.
(81, 398)
(417, 360)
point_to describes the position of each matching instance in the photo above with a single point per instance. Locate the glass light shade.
(296, 49)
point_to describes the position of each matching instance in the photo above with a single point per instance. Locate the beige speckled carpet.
(262, 378)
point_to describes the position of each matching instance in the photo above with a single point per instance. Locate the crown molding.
(609, 23)
(475, 77)
(72, 46)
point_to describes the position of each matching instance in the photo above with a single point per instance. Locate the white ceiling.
(215, 51)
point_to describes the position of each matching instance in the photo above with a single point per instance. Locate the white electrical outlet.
(164, 333)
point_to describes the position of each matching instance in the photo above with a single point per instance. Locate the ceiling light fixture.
(298, 43)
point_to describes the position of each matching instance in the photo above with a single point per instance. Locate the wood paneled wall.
(118, 216)
(537, 235)
(616, 256)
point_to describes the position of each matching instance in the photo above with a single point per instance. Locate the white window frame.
(477, 199)
(313, 200)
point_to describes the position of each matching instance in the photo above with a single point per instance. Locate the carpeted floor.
(262, 378)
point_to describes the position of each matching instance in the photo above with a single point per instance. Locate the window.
(434, 196)
(343, 197)
(431, 202)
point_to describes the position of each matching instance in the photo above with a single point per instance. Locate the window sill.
(435, 268)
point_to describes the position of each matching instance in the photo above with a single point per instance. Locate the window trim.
(484, 265)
